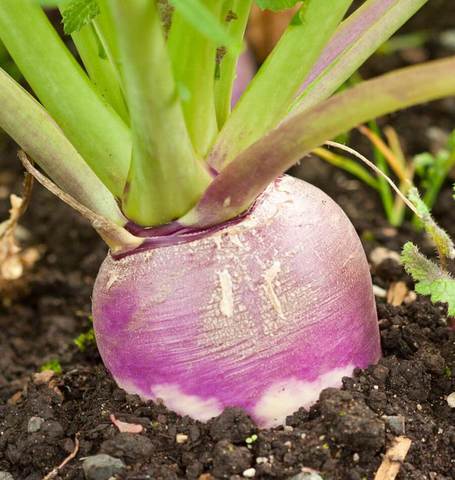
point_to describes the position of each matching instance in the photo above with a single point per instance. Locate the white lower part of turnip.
(262, 314)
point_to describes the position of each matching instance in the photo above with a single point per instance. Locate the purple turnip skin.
(261, 315)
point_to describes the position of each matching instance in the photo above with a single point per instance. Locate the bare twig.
(52, 474)
(393, 459)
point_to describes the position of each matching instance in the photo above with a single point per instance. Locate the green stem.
(193, 57)
(105, 29)
(239, 184)
(28, 123)
(237, 12)
(357, 38)
(166, 179)
(101, 71)
(61, 85)
(271, 93)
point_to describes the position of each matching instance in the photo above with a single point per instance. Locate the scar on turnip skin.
(269, 288)
(227, 297)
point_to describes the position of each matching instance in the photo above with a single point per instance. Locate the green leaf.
(430, 279)
(53, 365)
(84, 340)
(442, 290)
(276, 5)
(202, 19)
(49, 3)
(78, 13)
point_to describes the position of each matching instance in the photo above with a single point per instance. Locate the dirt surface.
(344, 436)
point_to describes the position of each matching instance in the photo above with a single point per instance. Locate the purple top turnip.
(262, 314)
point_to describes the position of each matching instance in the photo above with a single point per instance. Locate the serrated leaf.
(442, 290)
(429, 278)
(276, 5)
(78, 13)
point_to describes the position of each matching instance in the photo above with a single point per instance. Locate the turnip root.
(262, 314)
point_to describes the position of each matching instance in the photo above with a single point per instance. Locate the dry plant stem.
(376, 169)
(394, 163)
(53, 473)
(118, 239)
(393, 459)
(395, 145)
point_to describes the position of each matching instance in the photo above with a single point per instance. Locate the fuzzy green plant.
(431, 278)
(143, 132)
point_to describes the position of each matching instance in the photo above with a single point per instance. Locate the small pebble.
(451, 400)
(396, 423)
(34, 424)
(6, 476)
(419, 407)
(260, 460)
(288, 444)
(181, 438)
(379, 292)
(249, 472)
(101, 467)
(306, 476)
(356, 457)
(379, 254)
(288, 428)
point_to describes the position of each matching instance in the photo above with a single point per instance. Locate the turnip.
(227, 284)
(237, 316)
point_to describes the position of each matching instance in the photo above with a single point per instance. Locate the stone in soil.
(101, 467)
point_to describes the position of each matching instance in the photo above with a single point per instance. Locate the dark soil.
(344, 436)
